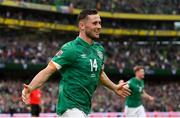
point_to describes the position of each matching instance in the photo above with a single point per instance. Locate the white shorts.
(135, 112)
(74, 113)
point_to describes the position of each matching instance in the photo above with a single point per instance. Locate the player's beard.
(90, 35)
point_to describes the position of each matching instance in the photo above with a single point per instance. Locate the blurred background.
(144, 32)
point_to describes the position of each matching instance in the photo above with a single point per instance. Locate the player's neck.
(138, 78)
(86, 39)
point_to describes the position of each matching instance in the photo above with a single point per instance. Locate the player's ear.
(81, 25)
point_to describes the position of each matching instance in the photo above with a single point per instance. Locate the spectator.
(127, 6)
(35, 102)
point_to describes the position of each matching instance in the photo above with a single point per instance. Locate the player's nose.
(99, 26)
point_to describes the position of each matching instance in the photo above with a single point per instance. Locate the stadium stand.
(120, 55)
(28, 14)
(127, 6)
(152, 54)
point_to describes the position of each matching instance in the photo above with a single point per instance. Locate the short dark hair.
(137, 68)
(84, 13)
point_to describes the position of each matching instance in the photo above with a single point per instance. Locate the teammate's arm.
(147, 96)
(118, 89)
(38, 81)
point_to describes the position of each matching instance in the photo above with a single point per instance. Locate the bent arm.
(107, 82)
(147, 96)
(119, 89)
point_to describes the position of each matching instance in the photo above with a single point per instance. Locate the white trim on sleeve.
(57, 65)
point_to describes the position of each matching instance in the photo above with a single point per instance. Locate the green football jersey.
(80, 66)
(137, 87)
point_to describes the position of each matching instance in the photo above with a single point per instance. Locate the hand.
(26, 93)
(122, 89)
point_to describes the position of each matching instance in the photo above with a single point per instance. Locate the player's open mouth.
(97, 32)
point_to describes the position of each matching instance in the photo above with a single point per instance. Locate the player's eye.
(96, 23)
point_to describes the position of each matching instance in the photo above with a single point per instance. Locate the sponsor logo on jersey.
(83, 55)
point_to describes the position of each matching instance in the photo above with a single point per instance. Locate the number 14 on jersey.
(94, 65)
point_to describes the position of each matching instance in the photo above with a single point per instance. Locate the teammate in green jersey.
(134, 107)
(81, 64)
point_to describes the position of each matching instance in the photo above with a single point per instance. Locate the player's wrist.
(115, 87)
(30, 88)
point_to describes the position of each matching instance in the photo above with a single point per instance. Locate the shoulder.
(131, 80)
(69, 46)
(67, 50)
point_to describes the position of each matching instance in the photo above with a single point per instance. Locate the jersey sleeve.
(64, 57)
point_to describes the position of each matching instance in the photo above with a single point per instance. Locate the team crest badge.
(100, 54)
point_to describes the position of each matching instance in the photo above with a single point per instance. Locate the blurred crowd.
(67, 19)
(150, 54)
(119, 54)
(164, 92)
(26, 50)
(104, 100)
(166, 96)
(127, 6)
(11, 102)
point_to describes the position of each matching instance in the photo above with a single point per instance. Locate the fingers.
(25, 98)
(25, 94)
(126, 93)
(127, 89)
(26, 86)
(121, 81)
(123, 90)
(120, 86)
(123, 94)
(124, 86)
